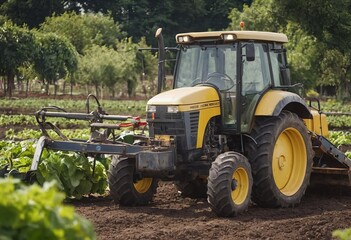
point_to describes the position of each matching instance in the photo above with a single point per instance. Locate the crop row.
(29, 120)
(135, 108)
(72, 172)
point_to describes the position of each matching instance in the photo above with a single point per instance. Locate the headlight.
(172, 109)
(229, 37)
(151, 108)
(184, 39)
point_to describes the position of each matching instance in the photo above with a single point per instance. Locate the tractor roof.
(184, 38)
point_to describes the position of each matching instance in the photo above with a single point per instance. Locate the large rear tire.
(281, 160)
(125, 188)
(229, 184)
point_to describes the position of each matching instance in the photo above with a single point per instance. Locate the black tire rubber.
(194, 189)
(220, 184)
(266, 132)
(121, 179)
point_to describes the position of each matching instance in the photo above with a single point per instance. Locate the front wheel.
(229, 184)
(125, 188)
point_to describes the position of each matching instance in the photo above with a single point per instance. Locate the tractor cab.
(240, 65)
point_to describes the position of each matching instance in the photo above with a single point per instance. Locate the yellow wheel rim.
(289, 161)
(143, 185)
(241, 190)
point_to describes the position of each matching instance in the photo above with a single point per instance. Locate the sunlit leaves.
(33, 212)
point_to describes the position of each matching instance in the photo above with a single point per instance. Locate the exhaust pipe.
(161, 60)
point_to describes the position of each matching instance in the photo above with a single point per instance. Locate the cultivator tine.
(38, 151)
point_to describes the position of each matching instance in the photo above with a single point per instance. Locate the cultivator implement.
(103, 139)
(330, 161)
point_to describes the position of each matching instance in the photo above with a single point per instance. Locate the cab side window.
(277, 63)
(256, 74)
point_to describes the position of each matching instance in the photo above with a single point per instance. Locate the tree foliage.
(30, 12)
(303, 49)
(330, 23)
(17, 48)
(83, 31)
(56, 57)
(103, 66)
(142, 18)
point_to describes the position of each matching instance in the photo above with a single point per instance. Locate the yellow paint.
(240, 193)
(205, 116)
(269, 101)
(185, 96)
(200, 98)
(318, 124)
(238, 35)
(143, 185)
(289, 161)
(198, 106)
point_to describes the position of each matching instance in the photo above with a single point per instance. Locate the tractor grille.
(184, 125)
(167, 123)
(194, 122)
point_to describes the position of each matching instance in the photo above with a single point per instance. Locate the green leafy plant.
(73, 172)
(340, 138)
(34, 212)
(342, 234)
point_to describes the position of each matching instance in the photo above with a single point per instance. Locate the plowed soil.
(322, 210)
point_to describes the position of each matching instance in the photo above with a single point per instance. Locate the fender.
(275, 101)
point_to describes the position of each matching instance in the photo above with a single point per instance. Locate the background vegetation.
(91, 46)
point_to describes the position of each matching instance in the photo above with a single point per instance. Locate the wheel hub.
(234, 184)
(281, 161)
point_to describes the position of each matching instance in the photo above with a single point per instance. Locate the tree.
(262, 15)
(330, 23)
(304, 52)
(30, 12)
(17, 48)
(336, 71)
(100, 66)
(83, 31)
(142, 18)
(55, 59)
(146, 64)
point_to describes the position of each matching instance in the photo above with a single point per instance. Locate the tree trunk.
(27, 87)
(47, 88)
(97, 90)
(55, 88)
(10, 83)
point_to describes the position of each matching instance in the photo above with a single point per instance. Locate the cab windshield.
(215, 64)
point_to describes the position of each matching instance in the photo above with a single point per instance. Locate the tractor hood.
(185, 96)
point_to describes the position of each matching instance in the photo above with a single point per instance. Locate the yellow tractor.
(233, 128)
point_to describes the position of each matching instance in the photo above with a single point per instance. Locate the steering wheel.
(221, 80)
(195, 81)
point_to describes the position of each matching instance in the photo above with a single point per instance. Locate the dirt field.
(169, 216)
(321, 211)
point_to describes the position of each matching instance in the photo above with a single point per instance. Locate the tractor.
(233, 129)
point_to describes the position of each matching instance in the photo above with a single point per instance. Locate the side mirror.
(250, 52)
(285, 73)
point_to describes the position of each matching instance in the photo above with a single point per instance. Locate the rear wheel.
(281, 160)
(229, 184)
(125, 188)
